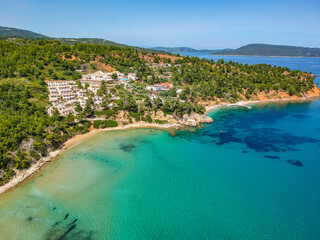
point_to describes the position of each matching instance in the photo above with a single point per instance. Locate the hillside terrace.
(64, 95)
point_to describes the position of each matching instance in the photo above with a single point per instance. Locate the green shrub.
(34, 155)
(108, 123)
(96, 123)
(161, 121)
(148, 119)
(137, 119)
(108, 113)
(40, 146)
(135, 114)
(86, 124)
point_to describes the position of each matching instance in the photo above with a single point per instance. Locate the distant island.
(271, 51)
(189, 50)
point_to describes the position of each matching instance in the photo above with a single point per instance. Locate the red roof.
(166, 84)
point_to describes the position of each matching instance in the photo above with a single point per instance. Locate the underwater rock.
(29, 219)
(295, 162)
(54, 208)
(69, 230)
(74, 221)
(127, 147)
(56, 223)
(172, 133)
(300, 116)
(272, 157)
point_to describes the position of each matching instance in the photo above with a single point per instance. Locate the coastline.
(23, 176)
(246, 103)
(239, 104)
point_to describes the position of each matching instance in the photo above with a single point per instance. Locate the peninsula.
(51, 91)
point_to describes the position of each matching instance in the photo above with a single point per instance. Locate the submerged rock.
(74, 221)
(272, 157)
(295, 162)
(194, 119)
(172, 133)
(127, 147)
(56, 223)
(68, 231)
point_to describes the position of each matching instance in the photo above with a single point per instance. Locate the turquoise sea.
(236, 178)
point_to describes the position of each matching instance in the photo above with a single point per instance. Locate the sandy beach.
(23, 175)
(246, 103)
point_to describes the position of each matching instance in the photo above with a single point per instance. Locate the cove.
(230, 179)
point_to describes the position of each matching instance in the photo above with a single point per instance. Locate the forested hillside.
(13, 33)
(28, 132)
(16, 32)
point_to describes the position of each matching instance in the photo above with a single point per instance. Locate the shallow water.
(228, 180)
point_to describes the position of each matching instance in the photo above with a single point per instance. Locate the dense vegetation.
(229, 80)
(272, 50)
(27, 132)
(23, 119)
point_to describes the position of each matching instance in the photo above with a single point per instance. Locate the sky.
(171, 23)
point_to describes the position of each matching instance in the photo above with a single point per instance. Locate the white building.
(179, 90)
(160, 87)
(100, 76)
(60, 90)
(132, 76)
